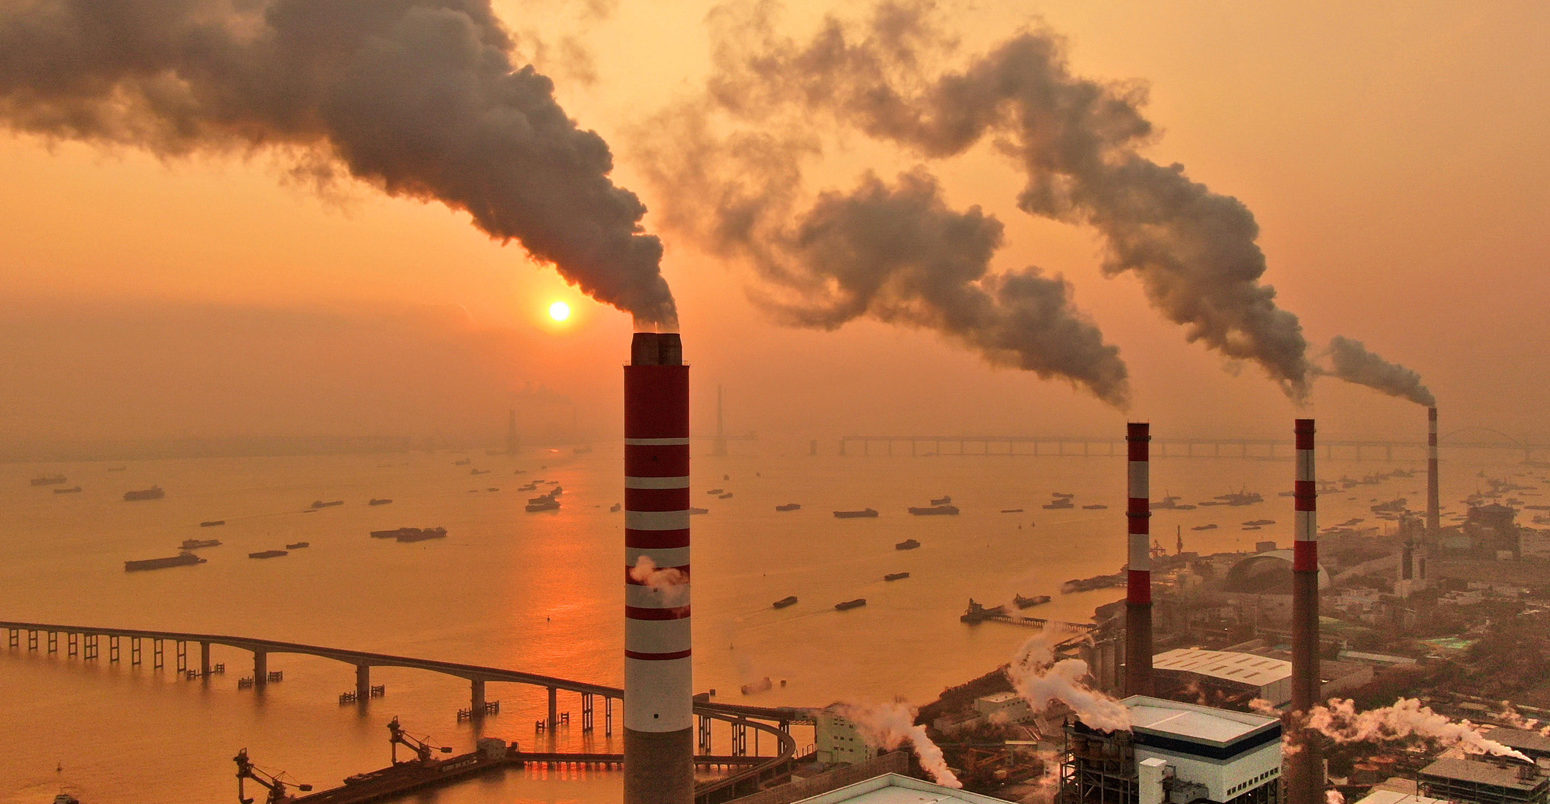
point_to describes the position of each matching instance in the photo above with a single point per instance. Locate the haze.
(1392, 155)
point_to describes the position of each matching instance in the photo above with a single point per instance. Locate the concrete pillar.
(204, 659)
(260, 667)
(476, 698)
(554, 707)
(362, 682)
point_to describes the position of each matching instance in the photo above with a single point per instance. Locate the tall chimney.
(1306, 785)
(658, 679)
(1433, 507)
(1138, 597)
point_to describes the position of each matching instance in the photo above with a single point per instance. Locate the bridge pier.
(158, 656)
(362, 683)
(260, 667)
(89, 646)
(113, 649)
(476, 698)
(842, 448)
(32, 639)
(586, 713)
(204, 660)
(554, 708)
(740, 738)
(134, 651)
(14, 637)
(704, 733)
(72, 643)
(182, 650)
(608, 717)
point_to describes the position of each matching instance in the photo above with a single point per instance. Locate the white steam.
(1039, 679)
(890, 725)
(1408, 718)
(671, 583)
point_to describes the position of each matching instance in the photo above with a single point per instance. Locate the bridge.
(1229, 447)
(749, 771)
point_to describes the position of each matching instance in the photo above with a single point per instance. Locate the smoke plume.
(890, 725)
(1075, 139)
(419, 98)
(1340, 721)
(1039, 679)
(892, 252)
(1353, 363)
(671, 583)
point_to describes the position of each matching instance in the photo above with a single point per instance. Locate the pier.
(748, 769)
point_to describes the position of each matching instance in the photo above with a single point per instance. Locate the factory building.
(894, 788)
(1482, 781)
(1177, 753)
(1226, 676)
(839, 741)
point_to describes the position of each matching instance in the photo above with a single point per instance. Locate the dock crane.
(276, 786)
(422, 750)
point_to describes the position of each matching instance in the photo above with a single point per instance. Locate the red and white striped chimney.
(658, 679)
(1433, 506)
(1138, 597)
(1306, 785)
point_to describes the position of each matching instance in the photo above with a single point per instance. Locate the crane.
(276, 786)
(422, 750)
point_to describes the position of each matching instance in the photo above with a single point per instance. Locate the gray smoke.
(419, 98)
(1075, 139)
(1353, 363)
(893, 252)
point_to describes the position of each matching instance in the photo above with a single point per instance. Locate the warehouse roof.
(1495, 774)
(1246, 668)
(1192, 721)
(891, 788)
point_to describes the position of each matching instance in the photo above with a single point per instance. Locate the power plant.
(658, 673)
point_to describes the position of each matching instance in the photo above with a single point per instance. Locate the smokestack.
(1138, 597)
(1433, 508)
(658, 680)
(1306, 784)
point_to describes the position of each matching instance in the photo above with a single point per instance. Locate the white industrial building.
(1234, 674)
(1178, 753)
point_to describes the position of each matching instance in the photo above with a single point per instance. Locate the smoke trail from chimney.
(891, 725)
(1040, 680)
(1076, 140)
(1353, 363)
(894, 252)
(1407, 718)
(418, 98)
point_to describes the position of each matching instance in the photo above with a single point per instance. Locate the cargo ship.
(544, 503)
(195, 544)
(847, 605)
(1011, 510)
(935, 510)
(1095, 507)
(896, 576)
(420, 535)
(478, 471)
(942, 500)
(379, 501)
(907, 544)
(316, 504)
(179, 560)
(724, 496)
(698, 511)
(1028, 602)
(788, 600)
(71, 490)
(1240, 498)
(267, 554)
(978, 612)
(297, 545)
(1059, 503)
(152, 493)
(714, 492)
(789, 507)
(210, 523)
(862, 514)
(48, 480)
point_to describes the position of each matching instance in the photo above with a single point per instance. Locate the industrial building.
(1227, 676)
(1484, 781)
(1531, 743)
(1174, 752)
(893, 788)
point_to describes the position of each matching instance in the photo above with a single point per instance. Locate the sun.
(559, 311)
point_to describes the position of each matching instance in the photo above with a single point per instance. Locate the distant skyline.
(1392, 155)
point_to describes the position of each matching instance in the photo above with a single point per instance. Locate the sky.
(1392, 155)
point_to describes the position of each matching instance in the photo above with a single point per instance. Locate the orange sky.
(1393, 154)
